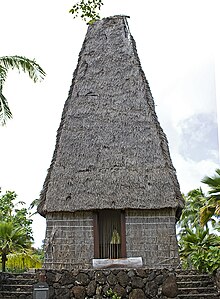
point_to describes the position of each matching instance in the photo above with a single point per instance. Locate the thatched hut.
(111, 191)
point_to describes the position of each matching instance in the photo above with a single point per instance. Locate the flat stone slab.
(130, 262)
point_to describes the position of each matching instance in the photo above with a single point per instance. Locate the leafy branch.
(88, 10)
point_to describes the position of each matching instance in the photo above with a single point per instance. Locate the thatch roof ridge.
(76, 183)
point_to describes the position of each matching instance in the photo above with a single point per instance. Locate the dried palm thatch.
(111, 152)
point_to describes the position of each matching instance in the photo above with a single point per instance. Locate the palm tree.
(194, 200)
(12, 239)
(34, 71)
(212, 208)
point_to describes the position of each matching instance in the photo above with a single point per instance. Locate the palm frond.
(213, 182)
(217, 208)
(5, 112)
(206, 213)
(34, 203)
(24, 64)
(3, 75)
(218, 171)
(20, 63)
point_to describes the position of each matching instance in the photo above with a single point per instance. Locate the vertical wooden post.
(123, 235)
(96, 235)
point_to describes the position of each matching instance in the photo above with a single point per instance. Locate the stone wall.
(151, 234)
(69, 240)
(128, 283)
(217, 279)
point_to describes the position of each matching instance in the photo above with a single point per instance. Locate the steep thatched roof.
(111, 151)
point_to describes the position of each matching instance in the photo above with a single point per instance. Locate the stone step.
(21, 276)
(199, 296)
(23, 281)
(181, 274)
(16, 295)
(17, 287)
(198, 290)
(189, 272)
(198, 277)
(194, 284)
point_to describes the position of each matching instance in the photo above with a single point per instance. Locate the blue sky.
(178, 48)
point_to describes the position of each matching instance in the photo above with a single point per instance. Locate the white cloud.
(190, 173)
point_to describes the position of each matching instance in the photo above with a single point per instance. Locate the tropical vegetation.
(212, 207)
(21, 63)
(13, 239)
(24, 260)
(16, 235)
(199, 240)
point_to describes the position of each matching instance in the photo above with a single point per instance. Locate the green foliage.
(7, 205)
(194, 201)
(206, 261)
(199, 249)
(88, 10)
(16, 235)
(24, 260)
(15, 212)
(213, 182)
(212, 207)
(39, 253)
(12, 239)
(21, 63)
(112, 294)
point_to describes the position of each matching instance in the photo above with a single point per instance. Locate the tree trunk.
(4, 259)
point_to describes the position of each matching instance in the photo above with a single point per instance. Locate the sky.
(179, 52)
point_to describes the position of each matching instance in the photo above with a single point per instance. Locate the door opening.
(109, 234)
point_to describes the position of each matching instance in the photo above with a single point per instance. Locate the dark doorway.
(109, 234)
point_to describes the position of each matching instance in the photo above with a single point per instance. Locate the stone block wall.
(128, 283)
(69, 240)
(135, 283)
(151, 234)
